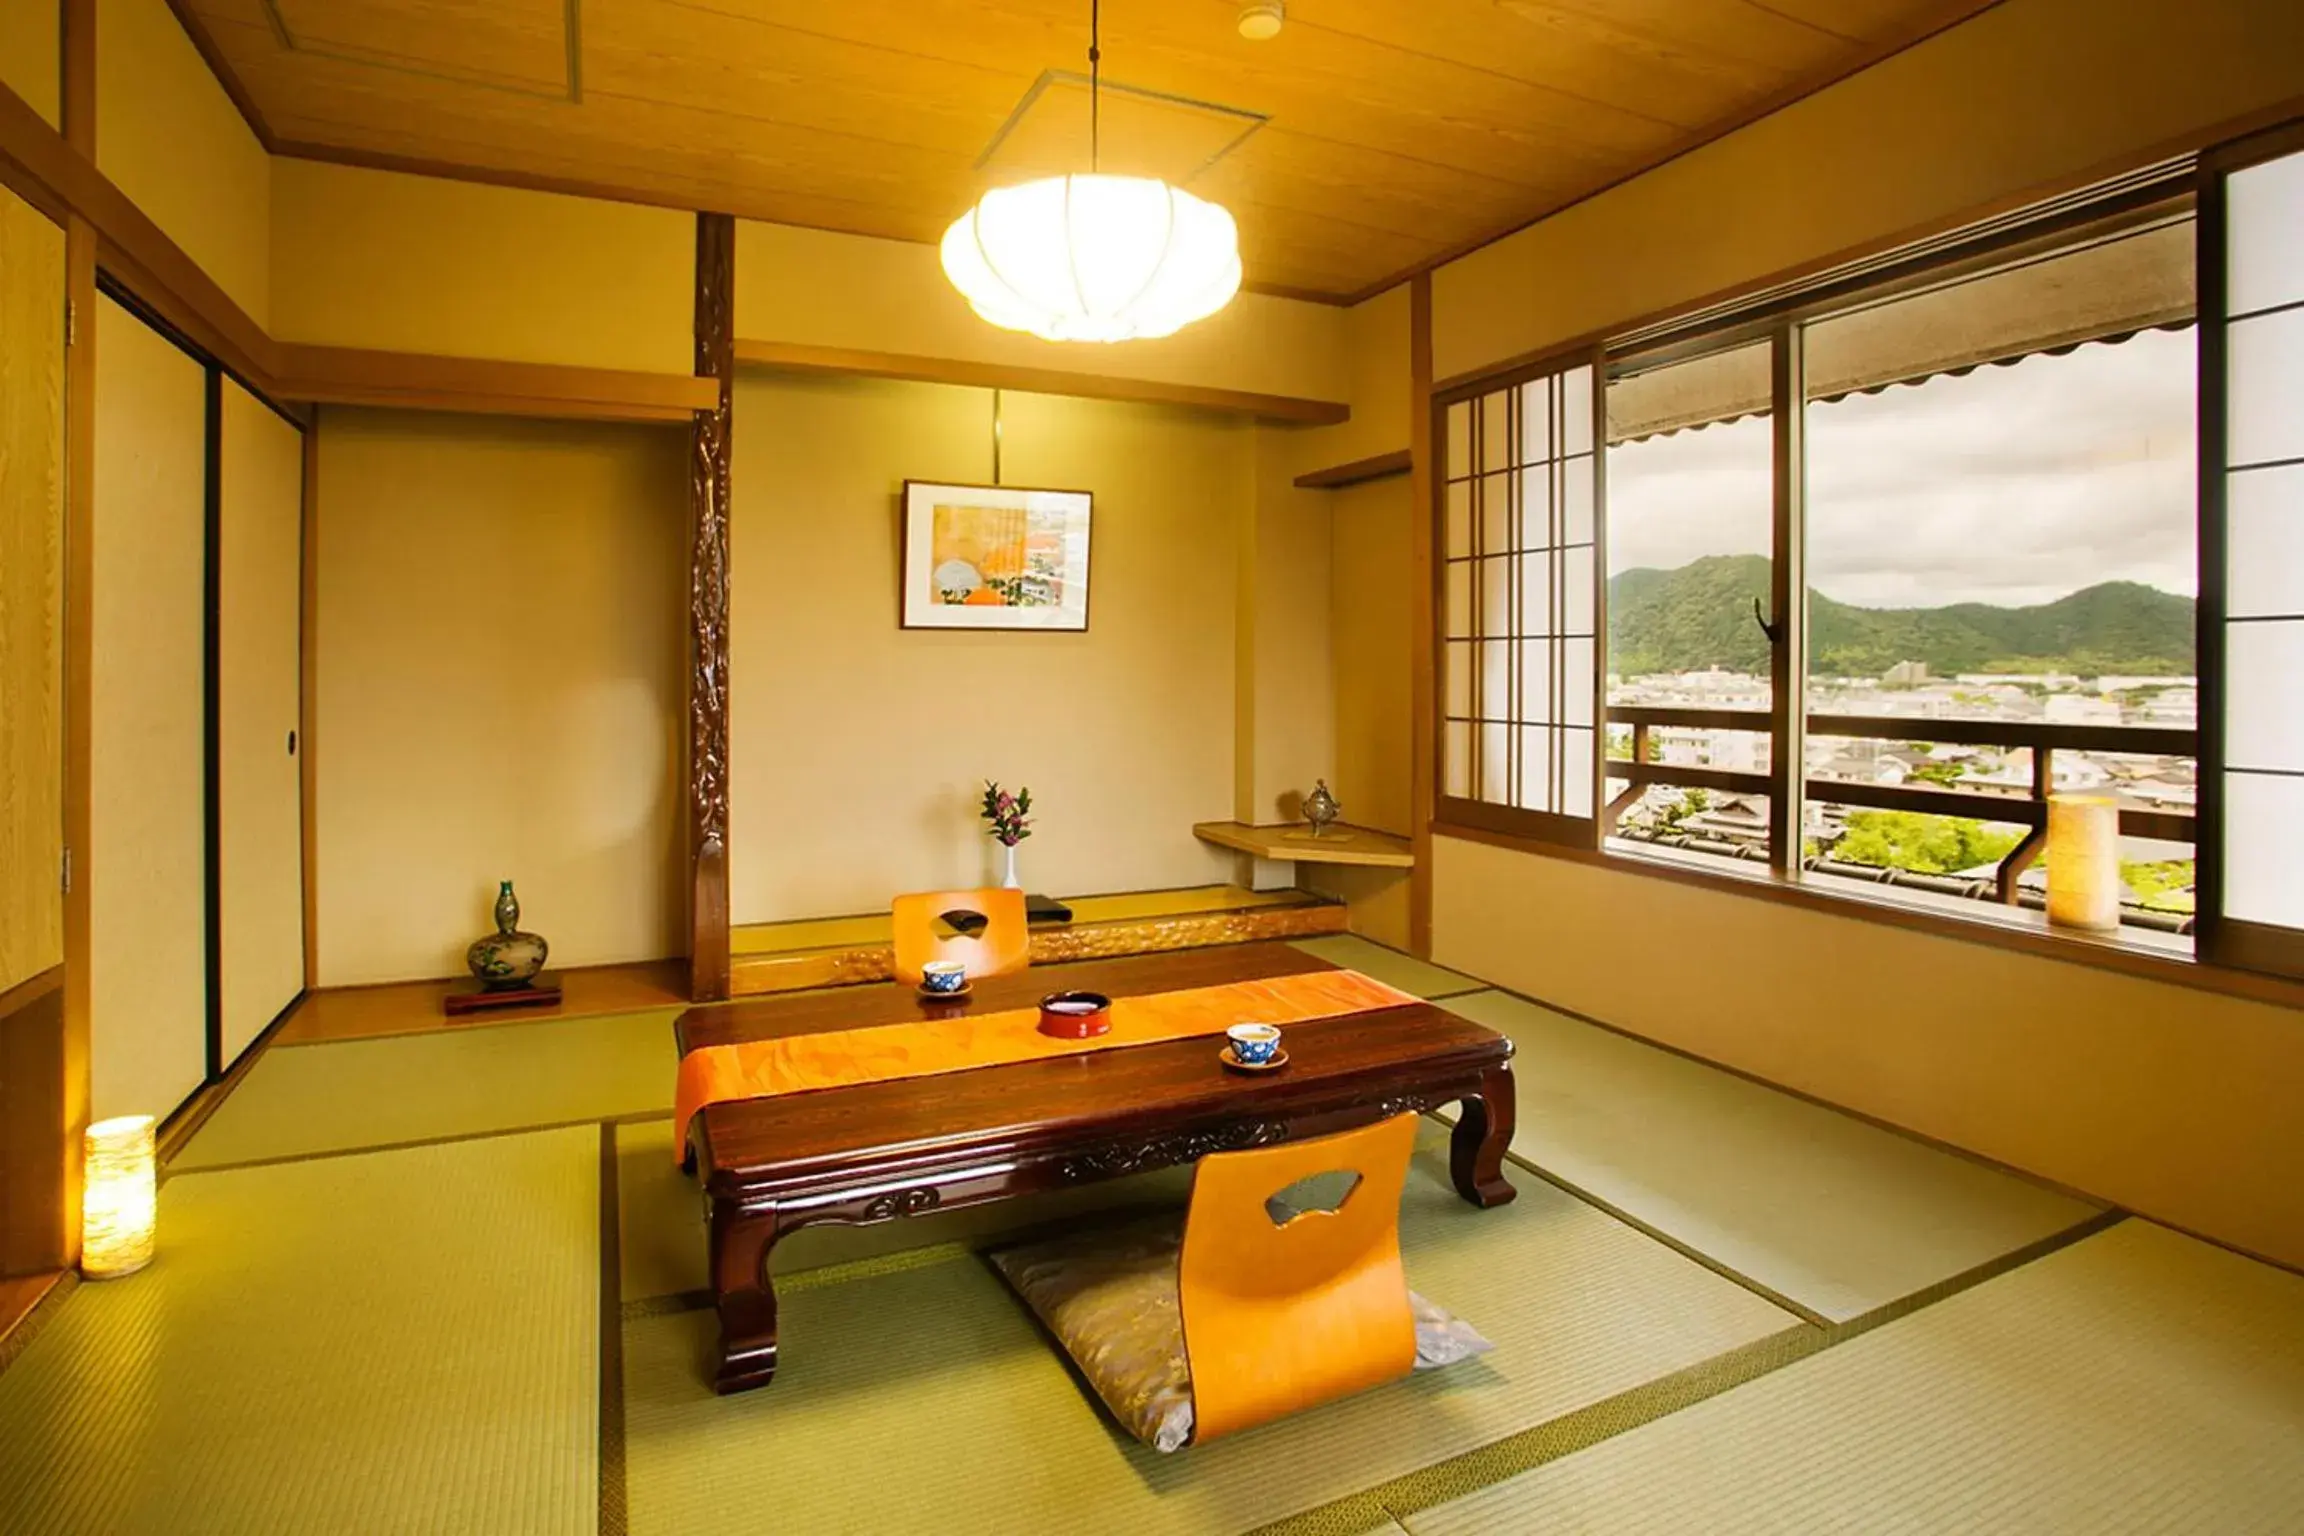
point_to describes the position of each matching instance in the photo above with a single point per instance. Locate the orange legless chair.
(1004, 945)
(1283, 1315)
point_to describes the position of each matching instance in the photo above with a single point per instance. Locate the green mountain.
(1700, 615)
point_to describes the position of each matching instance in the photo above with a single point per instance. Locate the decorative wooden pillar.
(708, 613)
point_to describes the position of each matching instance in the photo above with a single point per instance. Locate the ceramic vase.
(507, 959)
(1009, 879)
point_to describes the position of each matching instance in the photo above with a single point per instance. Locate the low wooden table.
(883, 1151)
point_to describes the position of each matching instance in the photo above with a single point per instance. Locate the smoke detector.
(1260, 19)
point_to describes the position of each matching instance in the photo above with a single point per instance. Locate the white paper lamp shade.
(1094, 258)
(2084, 862)
(119, 1198)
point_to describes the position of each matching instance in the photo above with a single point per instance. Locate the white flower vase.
(1009, 880)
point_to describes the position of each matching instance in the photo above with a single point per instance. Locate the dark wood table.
(883, 1151)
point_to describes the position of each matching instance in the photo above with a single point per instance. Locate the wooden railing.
(2028, 809)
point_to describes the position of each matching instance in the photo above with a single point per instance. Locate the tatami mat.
(662, 1218)
(2136, 1381)
(1837, 1215)
(493, 1077)
(403, 1342)
(1388, 966)
(926, 1398)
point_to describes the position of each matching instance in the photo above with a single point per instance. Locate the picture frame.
(997, 557)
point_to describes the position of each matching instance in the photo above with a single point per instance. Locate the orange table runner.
(841, 1058)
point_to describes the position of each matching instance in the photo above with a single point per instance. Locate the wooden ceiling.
(1369, 139)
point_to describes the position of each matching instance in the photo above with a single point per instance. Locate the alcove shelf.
(1341, 844)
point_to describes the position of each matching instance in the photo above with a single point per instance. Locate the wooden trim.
(35, 1233)
(79, 24)
(80, 246)
(1424, 615)
(1989, 927)
(354, 376)
(205, 43)
(708, 491)
(212, 711)
(2209, 611)
(308, 699)
(1788, 596)
(1382, 466)
(796, 357)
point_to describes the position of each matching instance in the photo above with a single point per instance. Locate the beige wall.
(829, 290)
(858, 750)
(501, 688)
(2030, 94)
(1372, 631)
(2172, 1102)
(168, 136)
(416, 264)
(1376, 375)
(1286, 722)
(32, 55)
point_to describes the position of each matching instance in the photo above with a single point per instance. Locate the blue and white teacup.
(1254, 1044)
(943, 976)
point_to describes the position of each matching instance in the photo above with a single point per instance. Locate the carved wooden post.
(708, 613)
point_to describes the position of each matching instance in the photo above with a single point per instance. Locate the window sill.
(2000, 927)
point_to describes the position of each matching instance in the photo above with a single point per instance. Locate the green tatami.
(1388, 966)
(2138, 1381)
(1837, 1215)
(927, 1399)
(401, 1342)
(496, 1077)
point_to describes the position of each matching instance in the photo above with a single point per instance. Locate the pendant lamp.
(1094, 257)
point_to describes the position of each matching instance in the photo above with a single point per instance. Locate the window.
(1884, 561)
(2253, 377)
(1519, 605)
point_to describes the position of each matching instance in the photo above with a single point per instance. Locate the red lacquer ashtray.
(1075, 1015)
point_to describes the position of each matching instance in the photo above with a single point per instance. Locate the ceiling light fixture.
(1094, 257)
(1260, 20)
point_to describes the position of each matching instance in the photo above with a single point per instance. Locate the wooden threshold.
(795, 357)
(20, 1297)
(1341, 844)
(834, 952)
(1381, 466)
(387, 1009)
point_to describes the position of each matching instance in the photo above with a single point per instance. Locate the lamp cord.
(1095, 81)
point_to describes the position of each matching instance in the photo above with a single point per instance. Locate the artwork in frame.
(994, 557)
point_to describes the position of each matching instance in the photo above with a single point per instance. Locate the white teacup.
(1254, 1044)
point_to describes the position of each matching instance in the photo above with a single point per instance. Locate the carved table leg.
(1483, 1132)
(742, 1292)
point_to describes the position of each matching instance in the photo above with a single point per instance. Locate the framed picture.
(994, 557)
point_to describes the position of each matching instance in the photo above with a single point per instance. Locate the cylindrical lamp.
(119, 1198)
(2084, 862)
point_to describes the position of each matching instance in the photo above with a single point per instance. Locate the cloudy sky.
(2011, 485)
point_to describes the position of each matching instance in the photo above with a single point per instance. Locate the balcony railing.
(2027, 809)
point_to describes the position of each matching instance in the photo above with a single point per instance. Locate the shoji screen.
(2254, 542)
(147, 866)
(259, 821)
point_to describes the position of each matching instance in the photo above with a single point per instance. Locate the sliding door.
(2252, 541)
(147, 866)
(259, 814)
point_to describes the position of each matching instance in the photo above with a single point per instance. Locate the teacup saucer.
(966, 992)
(1279, 1060)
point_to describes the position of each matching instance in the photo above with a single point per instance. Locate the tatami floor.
(449, 1282)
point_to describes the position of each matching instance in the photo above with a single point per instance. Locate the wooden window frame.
(2241, 959)
(2220, 940)
(1549, 827)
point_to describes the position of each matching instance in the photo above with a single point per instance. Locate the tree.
(1924, 844)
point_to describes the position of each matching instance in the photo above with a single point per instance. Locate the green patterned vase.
(507, 959)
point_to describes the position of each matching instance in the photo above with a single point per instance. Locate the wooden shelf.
(1359, 472)
(1341, 844)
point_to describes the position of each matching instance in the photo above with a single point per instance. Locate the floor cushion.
(1109, 1295)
